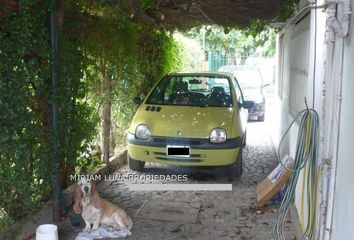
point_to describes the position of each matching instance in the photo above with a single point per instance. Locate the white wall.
(294, 75)
(297, 63)
(343, 213)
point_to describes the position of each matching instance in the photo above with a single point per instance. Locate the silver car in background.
(251, 82)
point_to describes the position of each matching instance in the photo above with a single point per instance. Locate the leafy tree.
(231, 41)
(192, 57)
(124, 60)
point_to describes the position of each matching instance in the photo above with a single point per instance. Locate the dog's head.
(85, 189)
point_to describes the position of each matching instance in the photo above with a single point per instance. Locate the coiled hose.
(306, 154)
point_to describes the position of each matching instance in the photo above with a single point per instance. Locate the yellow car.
(190, 119)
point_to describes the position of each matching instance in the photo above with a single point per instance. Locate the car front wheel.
(134, 164)
(236, 168)
(244, 143)
(261, 118)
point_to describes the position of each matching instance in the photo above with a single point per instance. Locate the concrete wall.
(324, 78)
(296, 80)
(292, 75)
(343, 213)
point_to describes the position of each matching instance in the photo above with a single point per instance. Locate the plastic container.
(47, 232)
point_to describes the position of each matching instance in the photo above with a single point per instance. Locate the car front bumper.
(202, 152)
(256, 111)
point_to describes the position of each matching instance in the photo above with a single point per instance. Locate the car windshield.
(227, 68)
(205, 91)
(250, 80)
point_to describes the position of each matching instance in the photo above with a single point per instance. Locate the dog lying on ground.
(96, 210)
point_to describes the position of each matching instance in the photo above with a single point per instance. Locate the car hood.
(253, 95)
(184, 121)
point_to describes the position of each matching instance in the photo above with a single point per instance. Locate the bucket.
(47, 232)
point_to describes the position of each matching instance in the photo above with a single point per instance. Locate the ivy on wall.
(24, 119)
(26, 143)
(91, 37)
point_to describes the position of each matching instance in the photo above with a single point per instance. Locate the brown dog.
(96, 210)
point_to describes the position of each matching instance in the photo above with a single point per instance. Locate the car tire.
(261, 118)
(244, 143)
(135, 165)
(236, 169)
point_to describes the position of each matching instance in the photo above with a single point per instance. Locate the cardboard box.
(274, 181)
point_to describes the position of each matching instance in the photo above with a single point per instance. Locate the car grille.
(171, 141)
(191, 158)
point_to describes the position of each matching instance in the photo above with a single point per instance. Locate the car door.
(243, 111)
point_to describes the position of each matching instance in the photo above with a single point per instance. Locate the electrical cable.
(314, 57)
(306, 154)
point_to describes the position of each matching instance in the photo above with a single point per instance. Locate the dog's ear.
(78, 199)
(95, 199)
(93, 188)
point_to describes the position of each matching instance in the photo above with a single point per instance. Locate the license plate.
(178, 151)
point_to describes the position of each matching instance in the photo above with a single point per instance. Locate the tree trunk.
(243, 59)
(113, 139)
(106, 117)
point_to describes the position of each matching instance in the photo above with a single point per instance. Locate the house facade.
(316, 62)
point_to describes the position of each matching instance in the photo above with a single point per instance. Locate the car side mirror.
(137, 100)
(248, 104)
(265, 85)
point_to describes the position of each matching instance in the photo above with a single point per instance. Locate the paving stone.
(222, 215)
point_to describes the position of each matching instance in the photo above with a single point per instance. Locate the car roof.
(201, 74)
(229, 68)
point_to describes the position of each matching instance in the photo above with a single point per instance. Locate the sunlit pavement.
(222, 215)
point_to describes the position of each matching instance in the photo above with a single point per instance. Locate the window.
(206, 91)
(298, 60)
(238, 92)
(281, 67)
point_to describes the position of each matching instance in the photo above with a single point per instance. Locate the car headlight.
(142, 131)
(217, 135)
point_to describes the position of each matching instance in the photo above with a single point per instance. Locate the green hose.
(306, 153)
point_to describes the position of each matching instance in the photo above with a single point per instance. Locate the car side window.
(238, 92)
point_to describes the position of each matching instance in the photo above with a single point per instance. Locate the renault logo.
(179, 133)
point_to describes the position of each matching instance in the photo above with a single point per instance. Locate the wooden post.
(54, 23)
